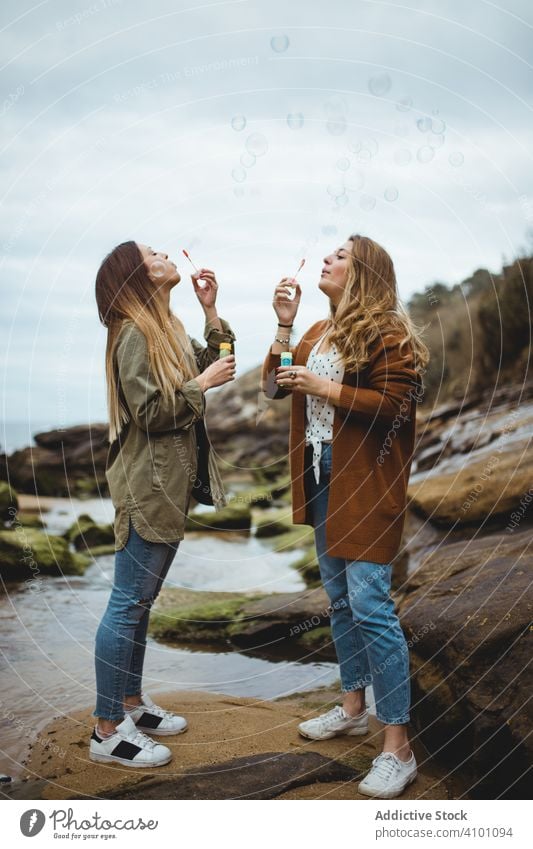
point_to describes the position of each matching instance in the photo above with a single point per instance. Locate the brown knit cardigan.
(372, 448)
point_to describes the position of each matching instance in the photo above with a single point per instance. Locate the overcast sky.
(253, 133)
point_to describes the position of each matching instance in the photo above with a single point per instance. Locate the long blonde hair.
(125, 292)
(370, 308)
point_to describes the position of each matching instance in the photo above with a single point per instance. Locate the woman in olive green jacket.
(157, 377)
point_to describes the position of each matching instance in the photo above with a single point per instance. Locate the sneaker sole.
(376, 795)
(353, 732)
(162, 733)
(104, 759)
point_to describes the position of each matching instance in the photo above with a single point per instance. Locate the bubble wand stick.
(293, 291)
(190, 260)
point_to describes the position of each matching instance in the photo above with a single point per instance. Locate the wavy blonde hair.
(125, 292)
(370, 308)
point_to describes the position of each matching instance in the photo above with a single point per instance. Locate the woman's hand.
(206, 294)
(300, 379)
(218, 373)
(284, 307)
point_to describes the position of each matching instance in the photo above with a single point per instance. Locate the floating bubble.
(438, 126)
(238, 122)
(391, 193)
(295, 120)
(248, 159)
(456, 159)
(239, 174)
(336, 190)
(402, 156)
(425, 154)
(238, 191)
(336, 106)
(158, 268)
(424, 124)
(279, 43)
(342, 200)
(356, 181)
(367, 202)
(256, 144)
(354, 146)
(336, 126)
(379, 84)
(329, 230)
(404, 104)
(343, 163)
(369, 148)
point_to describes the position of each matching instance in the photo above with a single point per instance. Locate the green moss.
(316, 638)
(235, 516)
(8, 501)
(299, 536)
(212, 621)
(85, 533)
(27, 552)
(307, 566)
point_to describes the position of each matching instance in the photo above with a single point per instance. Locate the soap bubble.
(238, 122)
(391, 193)
(343, 163)
(437, 126)
(256, 144)
(436, 141)
(425, 154)
(248, 159)
(456, 159)
(402, 156)
(379, 85)
(158, 268)
(279, 43)
(295, 120)
(336, 106)
(336, 126)
(404, 104)
(424, 124)
(239, 174)
(367, 202)
(342, 200)
(336, 190)
(238, 191)
(356, 181)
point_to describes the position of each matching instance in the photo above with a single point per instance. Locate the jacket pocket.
(159, 452)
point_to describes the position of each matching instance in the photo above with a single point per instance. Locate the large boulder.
(466, 611)
(26, 553)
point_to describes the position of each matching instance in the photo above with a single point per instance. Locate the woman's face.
(161, 270)
(335, 272)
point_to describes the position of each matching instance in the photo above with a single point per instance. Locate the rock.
(486, 489)
(275, 523)
(8, 501)
(467, 614)
(85, 533)
(26, 552)
(278, 620)
(307, 566)
(236, 516)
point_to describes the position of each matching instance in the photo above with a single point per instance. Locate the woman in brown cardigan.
(355, 382)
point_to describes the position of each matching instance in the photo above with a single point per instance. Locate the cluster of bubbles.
(255, 145)
(336, 109)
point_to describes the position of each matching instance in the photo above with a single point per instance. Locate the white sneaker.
(156, 720)
(128, 746)
(333, 723)
(389, 776)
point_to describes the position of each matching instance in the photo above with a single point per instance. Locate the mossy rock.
(8, 501)
(307, 566)
(317, 638)
(101, 550)
(27, 552)
(29, 520)
(299, 536)
(274, 523)
(210, 621)
(236, 516)
(85, 533)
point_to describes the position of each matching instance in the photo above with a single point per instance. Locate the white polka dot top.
(319, 413)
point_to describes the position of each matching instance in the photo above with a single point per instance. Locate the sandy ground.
(221, 729)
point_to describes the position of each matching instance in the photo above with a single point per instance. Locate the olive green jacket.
(151, 465)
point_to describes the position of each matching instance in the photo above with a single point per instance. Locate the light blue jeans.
(120, 644)
(370, 644)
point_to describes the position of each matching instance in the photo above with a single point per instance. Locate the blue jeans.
(120, 644)
(369, 641)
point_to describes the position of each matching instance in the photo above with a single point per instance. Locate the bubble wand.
(293, 291)
(190, 260)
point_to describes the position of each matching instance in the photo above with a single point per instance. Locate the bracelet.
(284, 325)
(281, 341)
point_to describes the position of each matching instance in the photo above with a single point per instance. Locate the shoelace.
(384, 765)
(332, 716)
(142, 739)
(160, 711)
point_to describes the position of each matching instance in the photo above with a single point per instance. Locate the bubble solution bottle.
(224, 350)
